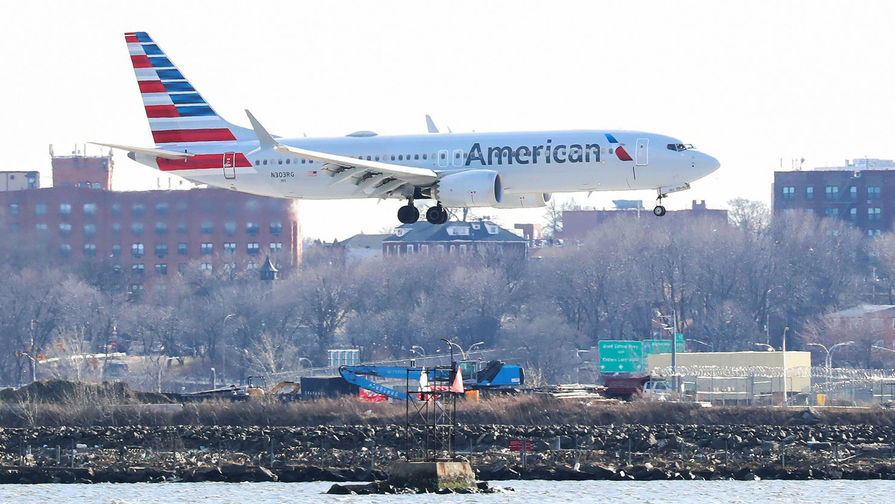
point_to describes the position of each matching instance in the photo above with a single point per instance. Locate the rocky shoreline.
(363, 453)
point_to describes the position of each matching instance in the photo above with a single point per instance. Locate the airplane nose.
(707, 164)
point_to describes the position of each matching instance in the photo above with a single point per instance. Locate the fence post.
(72, 453)
(271, 452)
(630, 444)
(58, 455)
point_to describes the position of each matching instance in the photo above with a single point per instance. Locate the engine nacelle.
(524, 200)
(473, 188)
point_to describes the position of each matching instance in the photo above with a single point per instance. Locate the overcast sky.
(749, 82)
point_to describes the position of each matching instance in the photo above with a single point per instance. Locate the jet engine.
(524, 200)
(473, 188)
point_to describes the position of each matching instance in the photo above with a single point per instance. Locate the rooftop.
(455, 231)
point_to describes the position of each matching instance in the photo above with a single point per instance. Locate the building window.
(89, 230)
(181, 248)
(40, 227)
(161, 209)
(138, 209)
(205, 268)
(873, 214)
(206, 206)
(161, 228)
(116, 209)
(89, 249)
(65, 209)
(252, 248)
(14, 210)
(207, 248)
(276, 227)
(161, 269)
(230, 247)
(161, 249)
(853, 193)
(809, 192)
(65, 250)
(90, 209)
(181, 228)
(251, 266)
(409, 248)
(137, 249)
(116, 250)
(853, 214)
(275, 247)
(138, 268)
(40, 209)
(832, 192)
(873, 192)
(137, 228)
(230, 228)
(873, 232)
(252, 228)
(116, 228)
(789, 192)
(181, 268)
(207, 227)
(64, 228)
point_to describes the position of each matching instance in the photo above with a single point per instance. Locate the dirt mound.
(62, 391)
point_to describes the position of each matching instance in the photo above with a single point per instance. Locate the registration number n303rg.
(282, 174)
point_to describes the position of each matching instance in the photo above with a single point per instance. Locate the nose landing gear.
(659, 210)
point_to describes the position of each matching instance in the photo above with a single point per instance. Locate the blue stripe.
(202, 110)
(170, 74)
(152, 50)
(611, 138)
(143, 37)
(178, 86)
(180, 99)
(160, 61)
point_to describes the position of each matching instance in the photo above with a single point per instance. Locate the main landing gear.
(408, 214)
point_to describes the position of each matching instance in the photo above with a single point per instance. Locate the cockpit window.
(679, 147)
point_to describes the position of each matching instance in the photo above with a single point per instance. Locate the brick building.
(150, 234)
(860, 192)
(577, 224)
(19, 180)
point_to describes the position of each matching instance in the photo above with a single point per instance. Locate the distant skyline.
(749, 82)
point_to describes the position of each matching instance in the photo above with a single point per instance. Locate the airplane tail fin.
(177, 112)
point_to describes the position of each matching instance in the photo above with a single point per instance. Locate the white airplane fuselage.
(572, 163)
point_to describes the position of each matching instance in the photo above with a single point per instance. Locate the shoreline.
(363, 453)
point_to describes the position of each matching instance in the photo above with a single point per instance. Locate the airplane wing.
(159, 153)
(375, 178)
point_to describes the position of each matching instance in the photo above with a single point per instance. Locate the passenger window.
(416, 156)
(288, 161)
(400, 157)
(424, 156)
(265, 162)
(377, 158)
(393, 157)
(279, 161)
(257, 162)
(368, 158)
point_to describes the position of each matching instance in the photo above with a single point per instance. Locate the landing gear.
(436, 214)
(408, 214)
(659, 210)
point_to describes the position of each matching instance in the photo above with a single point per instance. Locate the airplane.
(455, 170)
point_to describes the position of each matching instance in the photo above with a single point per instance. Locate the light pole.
(214, 379)
(31, 356)
(300, 359)
(452, 344)
(785, 388)
(418, 350)
(472, 346)
(767, 347)
(828, 360)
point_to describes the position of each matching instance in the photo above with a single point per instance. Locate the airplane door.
(229, 165)
(641, 156)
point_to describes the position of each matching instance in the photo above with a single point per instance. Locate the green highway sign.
(617, 356)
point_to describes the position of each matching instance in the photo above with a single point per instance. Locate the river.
(535, 492)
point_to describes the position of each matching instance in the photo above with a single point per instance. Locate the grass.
(54, 404)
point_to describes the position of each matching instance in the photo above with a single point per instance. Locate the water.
(534, 492)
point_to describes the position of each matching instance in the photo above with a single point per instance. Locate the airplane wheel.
(659, 211)
(436, 215)
(408, 214)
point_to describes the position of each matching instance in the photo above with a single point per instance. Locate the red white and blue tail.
(177, 112)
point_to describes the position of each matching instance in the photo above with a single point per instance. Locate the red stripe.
(140, 61)
(151, 86)
(130, 37)
(161, 111)
(201, 162)
(193, 135)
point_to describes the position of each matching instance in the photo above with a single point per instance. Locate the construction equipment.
(476, 375)
(256, 387)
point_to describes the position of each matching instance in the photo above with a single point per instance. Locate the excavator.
(476, 375)
(284, 391)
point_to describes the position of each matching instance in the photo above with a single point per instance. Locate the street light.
(310, 364)
(418, 350)
(452, 345)
(472, 346)
(214, 380)
(828, 360)
(767, 347)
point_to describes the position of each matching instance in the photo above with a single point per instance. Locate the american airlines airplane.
(501, 170)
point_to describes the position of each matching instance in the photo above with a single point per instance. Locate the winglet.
(266, 140)
(430, 124)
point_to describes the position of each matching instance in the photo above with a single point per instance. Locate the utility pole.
(785, 400)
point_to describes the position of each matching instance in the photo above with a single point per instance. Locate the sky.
(756, 84)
